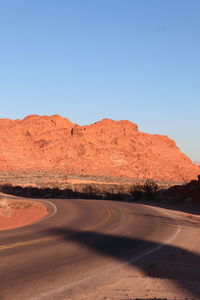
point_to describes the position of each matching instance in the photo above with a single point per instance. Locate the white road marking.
(54, 209)
(62, 289)
(41, 220)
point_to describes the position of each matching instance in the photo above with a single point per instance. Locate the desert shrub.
(150, 188)
(89, 189)
(147, 190)
(137, 192)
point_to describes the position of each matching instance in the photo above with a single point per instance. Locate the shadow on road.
(167, 262)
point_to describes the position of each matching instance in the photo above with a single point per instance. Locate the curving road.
(82, 246)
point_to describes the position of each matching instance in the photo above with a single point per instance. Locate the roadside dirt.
(16, 213)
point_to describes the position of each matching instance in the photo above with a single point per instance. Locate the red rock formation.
(109, 148)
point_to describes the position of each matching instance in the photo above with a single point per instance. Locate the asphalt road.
(81, 246)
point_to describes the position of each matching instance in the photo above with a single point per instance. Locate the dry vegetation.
(51, 185)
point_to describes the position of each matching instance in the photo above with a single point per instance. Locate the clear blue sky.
(91, 59)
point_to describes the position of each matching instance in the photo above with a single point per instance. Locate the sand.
(16, 213)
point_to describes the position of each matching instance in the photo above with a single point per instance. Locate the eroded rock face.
(108, 148)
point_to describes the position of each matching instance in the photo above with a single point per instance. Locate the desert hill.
(107, 148)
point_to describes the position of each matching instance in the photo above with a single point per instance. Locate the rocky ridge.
(189, 192)
(105, 148)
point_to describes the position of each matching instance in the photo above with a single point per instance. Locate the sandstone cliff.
(108, 148)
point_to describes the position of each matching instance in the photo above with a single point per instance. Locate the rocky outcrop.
(107, 148)
(189, 192)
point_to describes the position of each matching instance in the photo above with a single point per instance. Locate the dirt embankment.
(16, 213)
